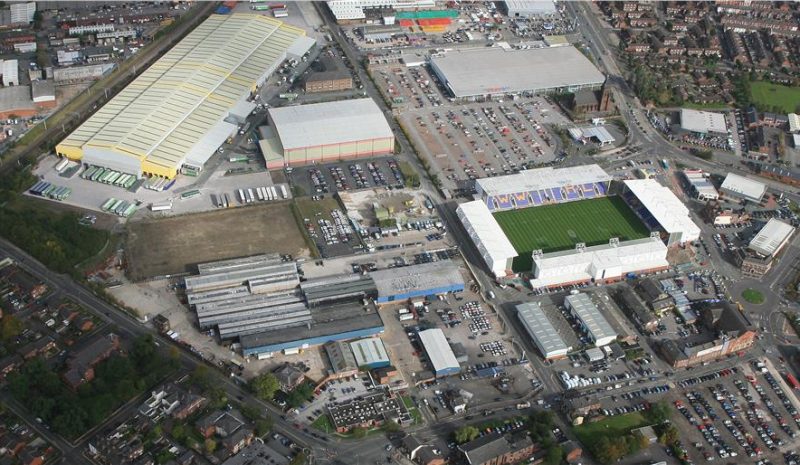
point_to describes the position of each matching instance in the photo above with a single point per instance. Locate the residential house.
(289, 377)
(497, 449)
(80, 365)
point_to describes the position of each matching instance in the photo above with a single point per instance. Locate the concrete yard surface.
(171, 246)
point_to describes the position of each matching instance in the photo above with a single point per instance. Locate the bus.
(792, 381)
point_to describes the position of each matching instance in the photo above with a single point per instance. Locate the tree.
(359, 432)
(466, 434)
(391, 426)
(299, 395)
(263, 425)
(264, 386)
(179, 432)
(210, 446)
(669, 436)
(553, 455)
(659, 412)
(298, 459)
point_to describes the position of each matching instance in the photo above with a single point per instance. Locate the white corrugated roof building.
(439, 352)
(494, 70)
(670, 213)
(175, 111)
(703, 121)
(541, 330)
(772, 237)
(329, 123)
(744, 188)
(599, 329)
(487, 235)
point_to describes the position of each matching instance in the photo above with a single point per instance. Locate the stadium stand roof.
(541, 178)
(439, 352)
(743, 187)
(493, 70)
(329, 123)
(541, 330)
(488, 236)
(599, 328)
(771, 237)
(665, 208)
(161, 117)
(598, 262)
(703, 121)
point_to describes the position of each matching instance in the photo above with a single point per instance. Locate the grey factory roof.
(273, 319)
(234, 264)
(482, 71)
(329, 123)
(413, 278)
(541, 330)
(368, 351)
(325, 321)
(241, 275)
(438, 350)
(590, 315)
(703, 121)
(337, 288)
(741, 186)
(244, 309)
(771, 237)
(165, 111)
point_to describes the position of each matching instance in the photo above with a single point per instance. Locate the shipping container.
(261, 7)
(250, 196)
(273, 192)
(406, 316)
(284, 192)
(259, 194)
(161, 206)
(129, 211)
(190, 194)
(242, 198)
(107, 204)
(227, 201)
(61, 165)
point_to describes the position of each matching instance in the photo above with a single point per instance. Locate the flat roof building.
(541, 330)
(703, 122)
(439, 352)
(348, 11)
(481, 72)
(326, 132)
(743, 188)
(700, 186)
(530, 8)
(771, 238)
(597, 327)
(178, 111)
(370, 353)
(664, 210)
(407, 282)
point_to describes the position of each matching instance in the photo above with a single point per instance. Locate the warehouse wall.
(314, 341)
(112, 159)
(336, 152)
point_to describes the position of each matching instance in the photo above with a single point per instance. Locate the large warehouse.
(597, 327)
(326, 132)
(439, 352)
(530, 8)
(542, 331)
(408, 282)
(487, 71)
(661, 210)
(742, 188)
(257, 301)
(703, 122)
(180, 110)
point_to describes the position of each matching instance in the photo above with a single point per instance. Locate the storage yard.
(247, 231)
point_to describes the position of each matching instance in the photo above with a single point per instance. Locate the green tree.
(669, 436)
(264, 386)
(659, 412)
(299, 395)
(179, 432)
(466, 434)
(299, 459)
(210, 445)
(359, 432)
(554, 455)
(263, 425)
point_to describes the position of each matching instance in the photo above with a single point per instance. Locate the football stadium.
(574, 225)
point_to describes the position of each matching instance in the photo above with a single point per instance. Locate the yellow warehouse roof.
(170, 106)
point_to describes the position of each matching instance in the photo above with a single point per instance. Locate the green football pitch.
(559, 227)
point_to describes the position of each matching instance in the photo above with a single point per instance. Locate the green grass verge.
(753, 296)
(559, 227)
(323, 423)
(591, 433)
(767, 95)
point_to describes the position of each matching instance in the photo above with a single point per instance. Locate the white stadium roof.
(493, 70)
(744, 187)
(598, 262)
(541, 330)
(488, 236)
(598, 327)
(329, 123)
(438, 350)
(541, 178)
(665, 207)
(703, 121)
(771, 237)
(164, 112)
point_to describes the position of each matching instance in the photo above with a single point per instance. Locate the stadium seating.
(521, 200)
(503, 202)
(547, 196)
(537, 199)
(601, 188)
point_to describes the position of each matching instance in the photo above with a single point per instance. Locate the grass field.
(771, 95)
(589, 433)
(559, 227)
(174, 245)
(753, 296)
